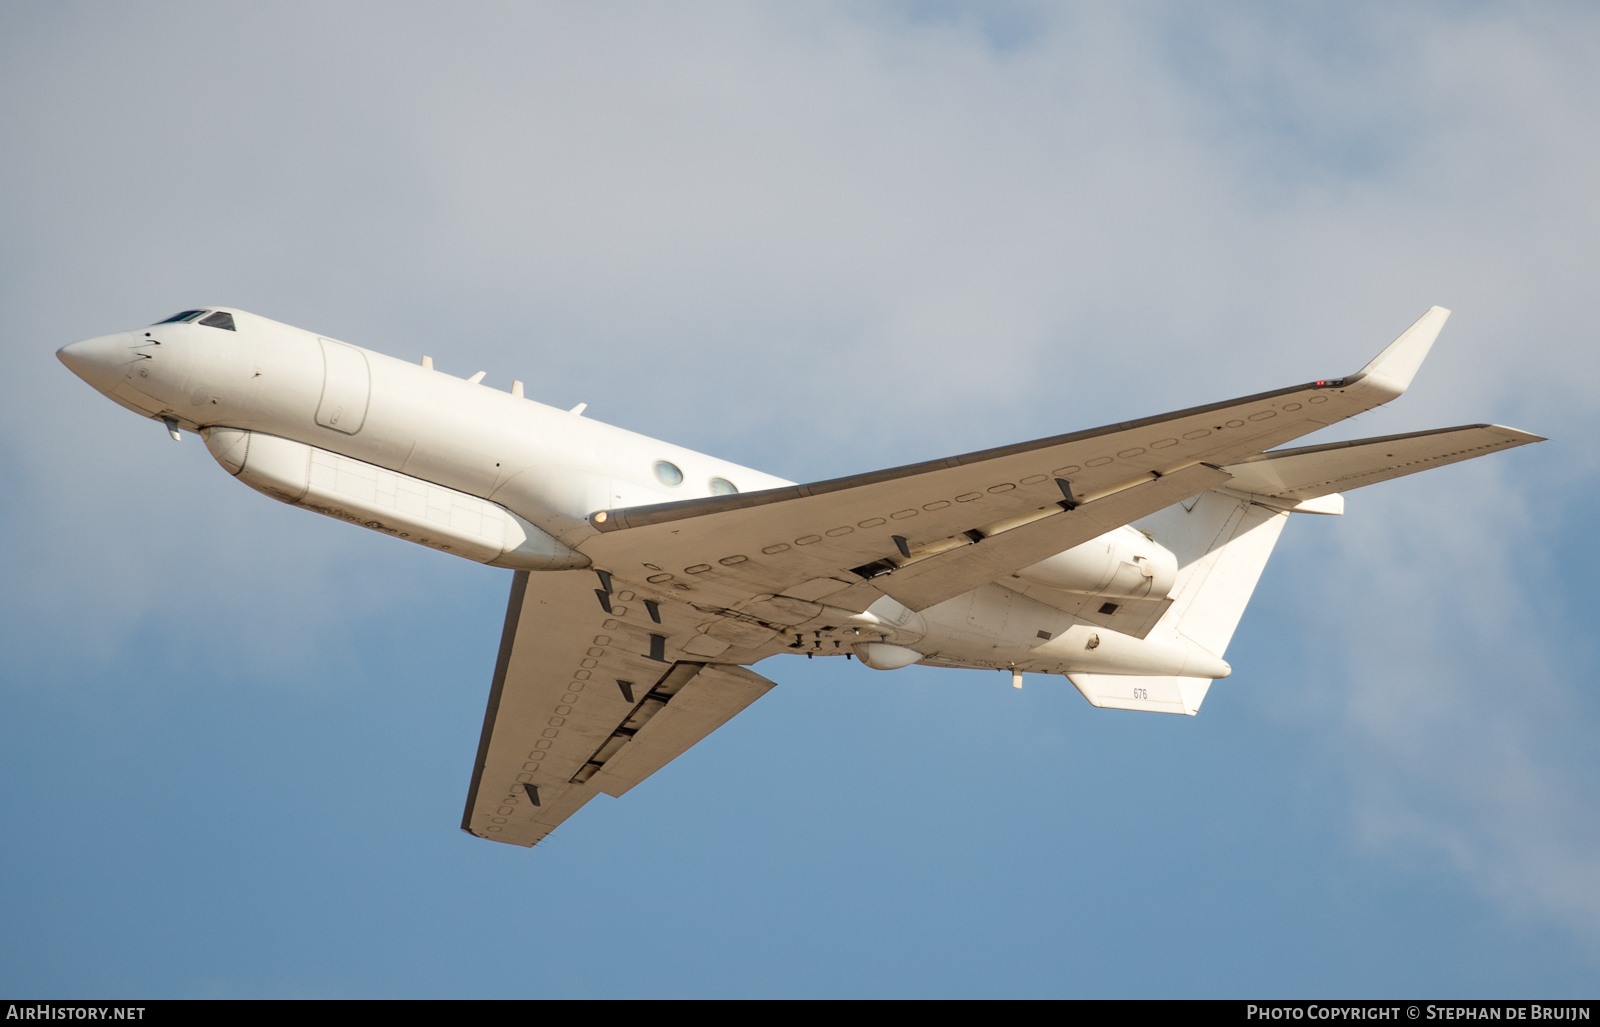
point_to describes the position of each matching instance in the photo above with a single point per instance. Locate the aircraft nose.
(100, 361)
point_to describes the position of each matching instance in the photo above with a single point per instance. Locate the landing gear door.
(346, 387)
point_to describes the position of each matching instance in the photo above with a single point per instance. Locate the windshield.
(187, 315)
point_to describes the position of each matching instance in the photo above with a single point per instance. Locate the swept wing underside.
(597, 688)
(578, 706)
(901, 532)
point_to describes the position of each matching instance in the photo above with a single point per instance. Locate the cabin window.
(221, 319)
(668, 473)
(182, 317)
(723, 487)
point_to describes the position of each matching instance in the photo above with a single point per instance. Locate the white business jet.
(648, 578)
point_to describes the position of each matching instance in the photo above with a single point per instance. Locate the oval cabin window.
(668, 473)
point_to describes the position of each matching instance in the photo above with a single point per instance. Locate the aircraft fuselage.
(292, 395)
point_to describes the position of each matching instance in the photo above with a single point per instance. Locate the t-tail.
(1224, 537)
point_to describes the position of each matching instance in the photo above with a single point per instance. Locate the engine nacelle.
(1121, 564)
(881, 656)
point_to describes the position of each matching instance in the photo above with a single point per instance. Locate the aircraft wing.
(856, 539)
(596, 688)
(924, 583)
(579, 705)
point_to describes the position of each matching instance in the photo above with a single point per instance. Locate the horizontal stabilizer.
(1314, 471)
(1148, 695)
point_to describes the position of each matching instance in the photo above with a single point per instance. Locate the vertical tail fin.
(1222, 543)
(1222, 550)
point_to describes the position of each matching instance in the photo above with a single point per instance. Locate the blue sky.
(235, 738)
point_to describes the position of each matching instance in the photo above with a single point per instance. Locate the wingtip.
(1394, 368)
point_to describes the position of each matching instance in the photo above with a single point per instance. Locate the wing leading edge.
(852, 538)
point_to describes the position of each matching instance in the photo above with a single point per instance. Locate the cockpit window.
(185, 317)
(221, 319)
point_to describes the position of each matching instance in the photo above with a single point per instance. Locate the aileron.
(578, 706)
